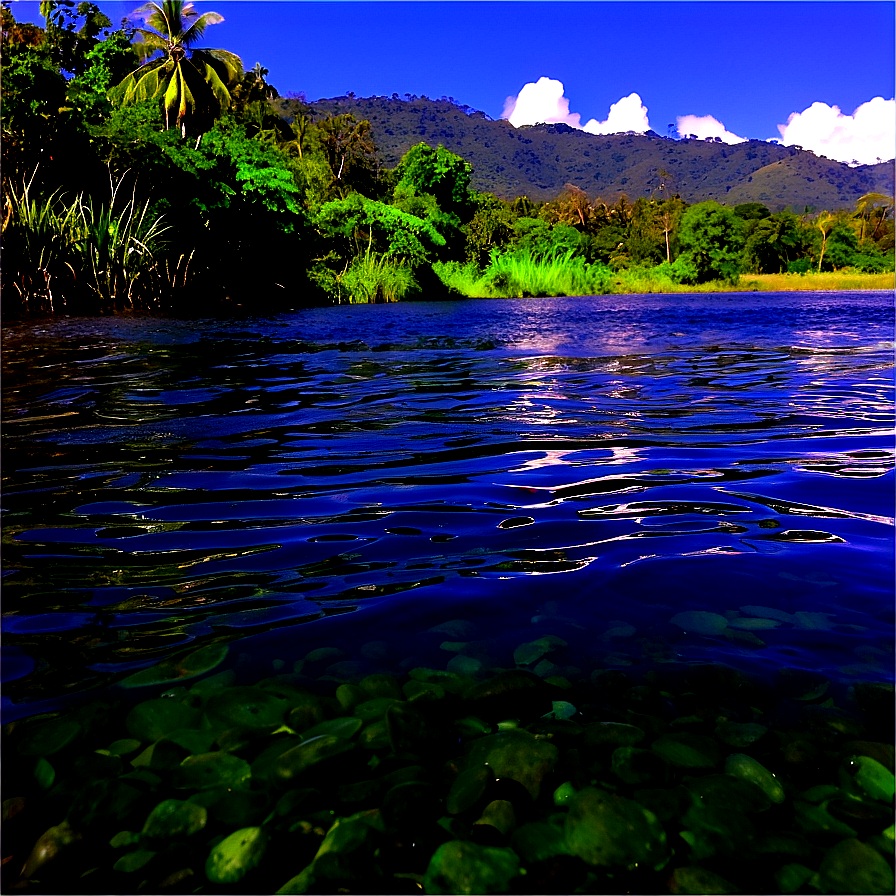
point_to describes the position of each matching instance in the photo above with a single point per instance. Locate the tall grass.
(522, 274)
(117, 248)
(80, 254)
(38, 238)
(373, 279)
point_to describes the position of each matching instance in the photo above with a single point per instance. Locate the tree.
(350, 152)
(711, 237)
(773, 242)
(440, 173)
(191, 84)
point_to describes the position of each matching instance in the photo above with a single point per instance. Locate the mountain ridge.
(538, 161)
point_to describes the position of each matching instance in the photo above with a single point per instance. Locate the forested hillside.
(539, 161)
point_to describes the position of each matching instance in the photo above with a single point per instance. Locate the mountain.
(539, 160)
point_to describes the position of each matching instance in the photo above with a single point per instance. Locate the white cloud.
(543, 101)
(703, 126)
(865, 136)
(629, 114)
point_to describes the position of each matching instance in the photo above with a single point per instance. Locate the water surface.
(585, 467)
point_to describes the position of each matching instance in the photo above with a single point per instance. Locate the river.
(649, 479)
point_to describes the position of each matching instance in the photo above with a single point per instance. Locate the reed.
(372, 279)
(38, 238)
(118, 247)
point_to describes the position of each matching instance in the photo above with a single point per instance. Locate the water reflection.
(168, 482)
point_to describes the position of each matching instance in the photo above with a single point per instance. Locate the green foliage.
(107, 63)
(357, 224)
(440, 173)
(773, 243)
(712, 238)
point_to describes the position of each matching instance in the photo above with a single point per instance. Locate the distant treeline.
(177, 185)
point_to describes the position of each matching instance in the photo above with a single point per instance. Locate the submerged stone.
(742, 766)
(699, 622)
(182, 668)
(47, 738)
(235, 856)
(615, 734)
(252, 708)
(512, 694)
(687, 750)
(869, 777)
(500, 815)
(740, 734)
(793, 877)
(211, 770)
(514, 754)
(692, 879)
(175, 818)
(610, 830)
(853, 867)
(468, 788)
(153, 719)
(540, 840)
(464, 867)
(309, 753)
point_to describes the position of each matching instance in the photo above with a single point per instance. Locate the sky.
(815, 74)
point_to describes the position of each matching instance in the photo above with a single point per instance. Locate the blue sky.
(748, 65)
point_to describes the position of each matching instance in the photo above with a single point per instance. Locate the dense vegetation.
(142, 170)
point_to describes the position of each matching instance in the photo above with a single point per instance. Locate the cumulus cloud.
(543, 101)
(705, 126)
(629, 114)
(865, 136)
(540, 102)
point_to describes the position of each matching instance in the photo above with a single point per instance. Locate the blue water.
(584, 467)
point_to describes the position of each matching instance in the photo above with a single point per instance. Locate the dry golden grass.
(832, 280)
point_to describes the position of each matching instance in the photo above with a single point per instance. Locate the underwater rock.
(853, 867)
(514, 754)
(637, 767)
(687, 750)
(700, 622)
(309, 753)
(463, 867)
(252, 708)
(610, 830)
(742, 766)
(863, 775)
(211, 770)
(175, 818)
(182, 668)
(468, 788)
(48, 847)
(381, 685)
(235, 856)
(692, 879)
(153, 719)
(740, 734)
(511, 694)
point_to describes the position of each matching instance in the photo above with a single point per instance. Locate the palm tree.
(193, 84)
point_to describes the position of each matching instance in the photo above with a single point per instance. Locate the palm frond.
(227, 65)
(195, 31)
(215, 84)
